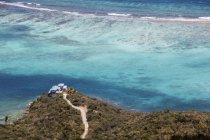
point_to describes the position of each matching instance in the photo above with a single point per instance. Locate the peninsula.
(59, 118)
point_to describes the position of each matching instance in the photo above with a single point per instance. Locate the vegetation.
(51, 118)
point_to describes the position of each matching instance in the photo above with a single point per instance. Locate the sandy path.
(83, 111)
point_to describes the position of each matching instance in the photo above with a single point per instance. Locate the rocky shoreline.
(52, 118)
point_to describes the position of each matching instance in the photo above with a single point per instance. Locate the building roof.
(55, 88)
(61, 84)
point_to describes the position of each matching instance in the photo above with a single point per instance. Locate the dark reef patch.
(142, 100)
(20, 28)
(65, 41)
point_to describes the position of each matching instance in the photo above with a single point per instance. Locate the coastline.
(152, 66)
(87, 42)
(25, 111)
(52, 117)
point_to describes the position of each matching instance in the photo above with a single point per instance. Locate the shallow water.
(146, 65)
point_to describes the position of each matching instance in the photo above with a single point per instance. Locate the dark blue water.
(163, 8)
(23, 88)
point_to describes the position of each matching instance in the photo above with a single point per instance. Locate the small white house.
(61, 84)
(56, 89)
(65, 88)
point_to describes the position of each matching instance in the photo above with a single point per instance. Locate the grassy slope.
(52, 118)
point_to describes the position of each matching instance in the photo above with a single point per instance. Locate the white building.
(56, 89)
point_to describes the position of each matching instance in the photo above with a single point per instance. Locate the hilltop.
(52, 118)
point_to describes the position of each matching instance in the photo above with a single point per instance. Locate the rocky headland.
(52, 118)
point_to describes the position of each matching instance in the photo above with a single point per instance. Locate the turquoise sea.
(142, 55)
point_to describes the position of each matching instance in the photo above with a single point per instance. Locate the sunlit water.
(145, 65)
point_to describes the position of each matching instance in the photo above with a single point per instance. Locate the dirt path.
(83, 111)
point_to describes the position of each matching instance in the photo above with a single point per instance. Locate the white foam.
(77, 14)
(205, 18)
(36, 4)
(72, 13)
(121, 15)
(21, 5)
(153, 18)
(200, 19)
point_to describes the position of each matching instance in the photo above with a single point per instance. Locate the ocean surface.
(143, 55)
